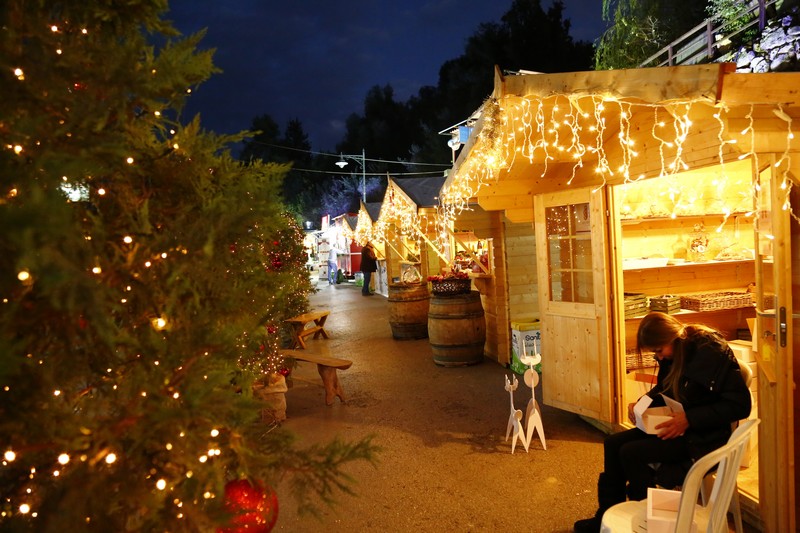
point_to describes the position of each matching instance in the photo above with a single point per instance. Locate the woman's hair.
(659, 329)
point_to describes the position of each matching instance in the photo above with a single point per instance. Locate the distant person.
(333, 264)
(369, 264)
(697, 368)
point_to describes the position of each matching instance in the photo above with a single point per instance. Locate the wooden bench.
(327, 367)
(300, 331)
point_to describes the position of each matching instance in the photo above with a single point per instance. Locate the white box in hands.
(662, 511)
(647, 418)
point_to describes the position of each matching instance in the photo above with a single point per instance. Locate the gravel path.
(445, 464)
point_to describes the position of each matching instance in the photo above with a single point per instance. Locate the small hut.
(643, 186)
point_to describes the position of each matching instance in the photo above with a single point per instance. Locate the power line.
(373, 175)
(328, 154)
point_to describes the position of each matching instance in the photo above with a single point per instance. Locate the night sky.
(315, 60)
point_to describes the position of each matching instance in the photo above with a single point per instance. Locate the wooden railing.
(699, 44)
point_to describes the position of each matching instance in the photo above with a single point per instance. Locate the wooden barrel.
(408, 310)
(457, 329)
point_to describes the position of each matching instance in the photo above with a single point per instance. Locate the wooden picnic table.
(314, 319)
(327, 367)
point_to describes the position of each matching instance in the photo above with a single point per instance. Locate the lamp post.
(342, 162)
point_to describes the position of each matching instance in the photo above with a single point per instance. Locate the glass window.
(569, 253)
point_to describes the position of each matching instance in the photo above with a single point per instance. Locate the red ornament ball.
(255, 508)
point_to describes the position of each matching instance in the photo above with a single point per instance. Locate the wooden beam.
(520, 215)
(499, 202)
(649, 85)
(766, 88)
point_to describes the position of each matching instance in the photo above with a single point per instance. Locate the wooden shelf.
(640, 220)
(712, 262)
(692, 312)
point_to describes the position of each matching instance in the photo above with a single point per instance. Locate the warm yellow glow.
(111, 458)
(96, 270)
(101, 191)
(63, 459)
(24, 508)
(215, 433)
(9, 456)
(161, 484)
(23, 275)
(127, 239)
(129, 160)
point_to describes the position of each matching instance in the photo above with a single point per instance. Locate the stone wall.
(777, 48)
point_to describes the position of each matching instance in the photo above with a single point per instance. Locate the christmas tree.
(144, 274)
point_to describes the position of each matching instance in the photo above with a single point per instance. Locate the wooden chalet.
(647, 185)
(407, 226)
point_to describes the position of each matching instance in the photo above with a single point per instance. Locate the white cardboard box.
(647, 418)
(662, 511)
(653, 417)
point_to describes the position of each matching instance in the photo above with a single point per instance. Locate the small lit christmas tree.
(139, 279)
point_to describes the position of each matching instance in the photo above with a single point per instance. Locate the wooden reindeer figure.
(515, 418)
(533, 417)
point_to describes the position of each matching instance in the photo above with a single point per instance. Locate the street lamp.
(342, 162)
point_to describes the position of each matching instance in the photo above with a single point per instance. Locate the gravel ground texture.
(444, 464)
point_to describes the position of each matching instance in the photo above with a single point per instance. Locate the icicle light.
(573, 131)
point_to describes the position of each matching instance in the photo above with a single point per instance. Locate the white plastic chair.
(705, 488)
(735, 507)
(713, 516)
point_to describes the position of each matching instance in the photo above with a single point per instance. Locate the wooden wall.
(523, 301)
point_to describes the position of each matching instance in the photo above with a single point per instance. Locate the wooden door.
(773, 338)
(572, 264)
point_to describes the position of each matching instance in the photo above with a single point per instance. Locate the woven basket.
(716, 300)
(635, 304)
(668, 303)
(451, 286)
(634, 361)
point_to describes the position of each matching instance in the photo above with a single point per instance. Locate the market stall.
(640, 185)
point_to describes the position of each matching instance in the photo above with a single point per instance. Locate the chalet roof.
(423, 191)
(541, 133)
(373, 210)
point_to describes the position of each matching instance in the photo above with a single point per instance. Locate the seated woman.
(697, 368)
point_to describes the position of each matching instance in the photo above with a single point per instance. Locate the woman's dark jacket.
(712, 391)
(368, 260)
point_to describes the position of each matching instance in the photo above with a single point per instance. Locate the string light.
(557, 128)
